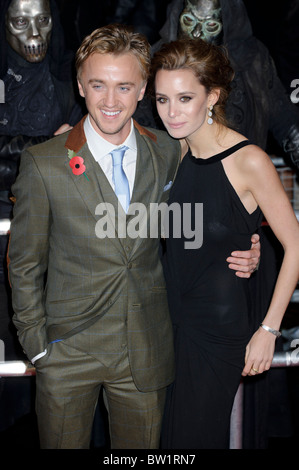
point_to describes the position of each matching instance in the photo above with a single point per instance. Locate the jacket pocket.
(70, 307)
(71, 300)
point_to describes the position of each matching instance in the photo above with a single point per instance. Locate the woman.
(236, 182)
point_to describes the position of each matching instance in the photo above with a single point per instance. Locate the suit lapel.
(148, 186)
(94, 187)
(150, 172)
(87, 184)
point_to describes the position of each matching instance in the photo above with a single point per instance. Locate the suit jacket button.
(129, 265)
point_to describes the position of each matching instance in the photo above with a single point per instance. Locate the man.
(102, 317)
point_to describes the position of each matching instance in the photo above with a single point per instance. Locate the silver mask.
(28, 28)
(201, 19)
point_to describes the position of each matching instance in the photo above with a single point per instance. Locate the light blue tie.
(121, 183)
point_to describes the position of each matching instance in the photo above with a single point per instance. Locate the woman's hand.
(259, 353)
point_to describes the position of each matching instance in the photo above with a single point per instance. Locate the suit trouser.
(68, 382)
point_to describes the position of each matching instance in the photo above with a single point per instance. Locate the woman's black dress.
(209, 305)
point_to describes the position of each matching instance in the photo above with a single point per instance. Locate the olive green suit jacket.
(65, 278)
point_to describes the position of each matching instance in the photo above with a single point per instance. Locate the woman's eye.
(185, 99)
(161, 100)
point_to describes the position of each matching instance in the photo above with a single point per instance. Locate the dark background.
(274, 23)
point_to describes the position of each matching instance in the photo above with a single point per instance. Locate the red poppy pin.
(77, 164)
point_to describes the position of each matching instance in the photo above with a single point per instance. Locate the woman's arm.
(263, 182)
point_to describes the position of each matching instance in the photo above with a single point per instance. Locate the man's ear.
(142, 91)
(81, 91)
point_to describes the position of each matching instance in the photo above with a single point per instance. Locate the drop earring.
(210, 114)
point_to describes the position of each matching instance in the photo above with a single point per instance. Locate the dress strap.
(221, 155)
(235, 148)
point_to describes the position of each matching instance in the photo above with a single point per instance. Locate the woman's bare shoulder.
(252, 158)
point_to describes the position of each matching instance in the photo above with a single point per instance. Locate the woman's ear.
(214, 96)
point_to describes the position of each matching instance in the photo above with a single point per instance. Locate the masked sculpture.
(202, 19)
(258, 99)
(28, 28)
(36, 72)
(35, 69)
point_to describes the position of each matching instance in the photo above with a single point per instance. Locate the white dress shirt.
(101, 148)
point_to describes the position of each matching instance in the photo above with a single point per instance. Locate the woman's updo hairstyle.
(208, 62)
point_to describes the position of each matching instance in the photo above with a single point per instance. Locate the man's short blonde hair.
(115, 39)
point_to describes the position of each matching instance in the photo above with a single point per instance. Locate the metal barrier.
(16, 369)
(4, 226)
(280, 359)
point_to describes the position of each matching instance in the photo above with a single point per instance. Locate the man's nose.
(110, 98)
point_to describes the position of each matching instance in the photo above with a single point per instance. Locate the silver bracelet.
(271, 330)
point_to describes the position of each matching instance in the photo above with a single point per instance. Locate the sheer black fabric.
(209, 305)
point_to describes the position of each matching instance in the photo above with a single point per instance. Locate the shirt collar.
(100, 147)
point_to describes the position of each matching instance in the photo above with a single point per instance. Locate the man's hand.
(63, 128)
(246, 262)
